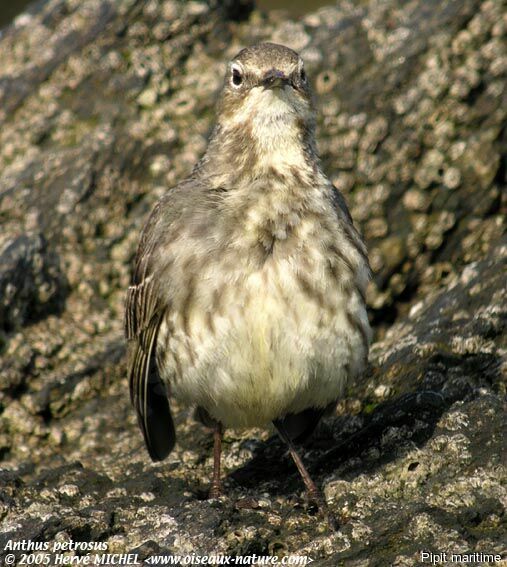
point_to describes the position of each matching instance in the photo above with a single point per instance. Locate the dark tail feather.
(158, 427)
(149, 395)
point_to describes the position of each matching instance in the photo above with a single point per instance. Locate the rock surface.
(103, 105)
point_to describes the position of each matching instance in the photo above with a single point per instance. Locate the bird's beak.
(274, 79)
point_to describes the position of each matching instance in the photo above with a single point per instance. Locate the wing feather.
(144, 309)
(348, 225)
(149, 396)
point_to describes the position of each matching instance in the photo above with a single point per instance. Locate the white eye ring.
(236, 76)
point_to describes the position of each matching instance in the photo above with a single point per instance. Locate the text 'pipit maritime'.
(247, 299)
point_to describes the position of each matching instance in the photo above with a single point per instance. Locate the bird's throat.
(262, 148)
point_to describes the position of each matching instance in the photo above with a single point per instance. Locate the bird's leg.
(216, 484)
(311, 488)
(314, 494)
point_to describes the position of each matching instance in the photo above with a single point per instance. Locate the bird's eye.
(237, 77)
(302, 74)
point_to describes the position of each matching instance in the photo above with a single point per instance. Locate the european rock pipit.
(247, 299)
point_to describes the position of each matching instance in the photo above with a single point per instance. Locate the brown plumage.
(247, 299)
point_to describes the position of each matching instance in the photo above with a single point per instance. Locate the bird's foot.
(317, 502)
(247, 503)
(215, 491)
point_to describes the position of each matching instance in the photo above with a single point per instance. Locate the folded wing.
(144, 309)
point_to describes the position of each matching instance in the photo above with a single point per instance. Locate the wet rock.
(31, 282)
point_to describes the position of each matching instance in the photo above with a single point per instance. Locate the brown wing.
(144, 310)
(348, 225)
(340, 203)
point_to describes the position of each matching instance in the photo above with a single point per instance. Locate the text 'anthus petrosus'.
(247, 298)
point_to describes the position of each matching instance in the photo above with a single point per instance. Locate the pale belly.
(274, 349)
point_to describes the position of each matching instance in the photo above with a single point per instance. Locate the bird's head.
(266, 93)
(265, 118)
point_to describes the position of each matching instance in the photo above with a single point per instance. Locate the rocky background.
(104, 104)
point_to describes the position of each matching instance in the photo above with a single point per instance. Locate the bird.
(247, 299)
